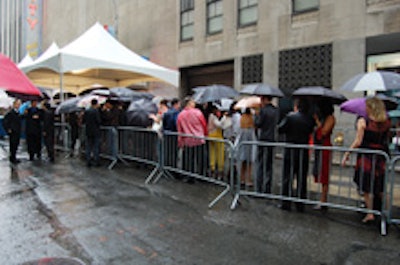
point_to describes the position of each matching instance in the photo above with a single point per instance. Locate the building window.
(214, 16)
(252, 69)
(187, 20)
(301, 6)
(308, 66)
(248, 12)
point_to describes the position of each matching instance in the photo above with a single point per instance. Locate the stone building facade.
(324, 43)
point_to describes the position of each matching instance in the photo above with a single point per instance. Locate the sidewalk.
(114, 218)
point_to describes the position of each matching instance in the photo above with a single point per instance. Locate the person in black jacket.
(34, 117)
(92, 121)
(12, 125)
(266, 121)
(48, 130)
(297, 127)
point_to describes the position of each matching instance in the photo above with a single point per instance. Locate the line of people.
(306, 120)
(192, 153)
(39, 124)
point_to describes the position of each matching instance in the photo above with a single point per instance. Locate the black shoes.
(15, 161)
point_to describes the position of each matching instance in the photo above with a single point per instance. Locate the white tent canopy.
(94, 57)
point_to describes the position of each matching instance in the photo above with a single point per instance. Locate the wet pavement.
(101, 216)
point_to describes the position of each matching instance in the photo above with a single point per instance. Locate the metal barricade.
(109, 144)
(62, 134)
(202, 158)
(394, 145)
(393, 188)
(141, 145)
(291, 182)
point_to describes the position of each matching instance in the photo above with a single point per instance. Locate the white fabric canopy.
(94, 57)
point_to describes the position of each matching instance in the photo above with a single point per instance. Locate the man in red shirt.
(191, 121)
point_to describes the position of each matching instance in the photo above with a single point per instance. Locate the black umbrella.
(127, 95)
(138, 113)
(68, 106)
(390, 103)
(204, 94)
(320, 93)
(260, 89)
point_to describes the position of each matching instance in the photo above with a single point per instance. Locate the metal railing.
(295, 184)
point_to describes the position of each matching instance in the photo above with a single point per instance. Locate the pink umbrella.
(14, 81)
(86, 100)
(358, 106)
(248, 102)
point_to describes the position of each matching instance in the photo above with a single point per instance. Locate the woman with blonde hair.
(372, 133)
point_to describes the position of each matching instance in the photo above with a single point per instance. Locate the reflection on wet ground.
(106, 216)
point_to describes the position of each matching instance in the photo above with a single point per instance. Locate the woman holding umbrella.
(372, 133)
(325, 122)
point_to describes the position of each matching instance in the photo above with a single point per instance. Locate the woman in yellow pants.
(215, 125)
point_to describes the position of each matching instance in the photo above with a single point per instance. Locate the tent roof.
(95, 57)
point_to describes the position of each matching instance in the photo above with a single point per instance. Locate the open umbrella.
(358, 106)
(138, 112)
(320, 93)
(14, 81)
(68, 106)
(5, 100)
(261, 89)
(224, 104)
(127, 95)
(248, 102)
(204, 94)
(86, 100)
(372, 82)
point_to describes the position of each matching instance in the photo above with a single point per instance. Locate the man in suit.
(34, 119)
(92, 121)
(48, 130)
(297, 126)
(266, 121)
(12, 125)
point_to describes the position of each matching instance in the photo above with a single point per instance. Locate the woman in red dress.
(325, 122)
(372, 133)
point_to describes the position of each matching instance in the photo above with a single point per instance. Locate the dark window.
(252, 69)
(248, 12)
(214, 16)
(187, 19)
(300, 6)
(309, 66)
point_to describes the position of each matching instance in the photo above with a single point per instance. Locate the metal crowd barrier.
(109, 143)
(394, 144)
(141, 145)
(62, 134)
(343, 192)
(393, 188)
(196, 159)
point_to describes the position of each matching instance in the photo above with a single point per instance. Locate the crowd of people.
(190, 124)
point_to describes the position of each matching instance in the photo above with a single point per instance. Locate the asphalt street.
(102, 216)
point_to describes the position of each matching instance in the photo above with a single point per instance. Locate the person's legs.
(260, 169)
(30, 144)
(96, 150)
(14, 142)
(212, 156)
(268, 169)
(221, 159)
(368, 203)
(89, 147)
